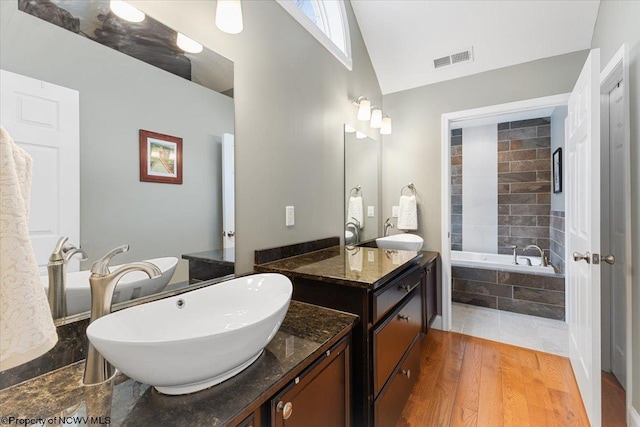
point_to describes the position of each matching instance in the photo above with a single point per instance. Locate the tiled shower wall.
(556, 234)
(524, 184)
(456, 190)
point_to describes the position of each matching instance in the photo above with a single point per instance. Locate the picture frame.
(160, 158)
(557, 171)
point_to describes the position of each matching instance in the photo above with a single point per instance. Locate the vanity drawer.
(392, 338)
(391, 294)
(388, 407)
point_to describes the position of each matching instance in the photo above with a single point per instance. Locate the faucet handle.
(514, 247)
(101, 266)
(59, 250)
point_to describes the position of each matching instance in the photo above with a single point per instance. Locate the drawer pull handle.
(285, 408)
(404, 317)
(406, 372)
(406, 288)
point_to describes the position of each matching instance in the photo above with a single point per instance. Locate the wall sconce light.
(364, 108)
(376, 117)
(348, 129)
(229, 16)
(125, 11)
(187, 44)
(385, 129)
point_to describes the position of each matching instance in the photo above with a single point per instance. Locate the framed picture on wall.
(557, 171)
(160, 158)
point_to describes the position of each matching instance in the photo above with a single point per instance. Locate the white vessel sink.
(401, 242)
(133, 285)
(197, 339)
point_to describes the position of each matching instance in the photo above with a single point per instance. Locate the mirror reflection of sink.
(197, 339)
(401, 242)
(133, 285)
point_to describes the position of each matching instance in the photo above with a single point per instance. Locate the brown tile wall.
(556, 237)
(456, 189)
(524, 184)
(531, 294)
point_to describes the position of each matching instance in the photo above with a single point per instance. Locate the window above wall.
(327, 21)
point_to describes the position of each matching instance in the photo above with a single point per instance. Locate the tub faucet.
(387, 225)
(515, 255)
(544, 261)
(103, 283)
(57, 273)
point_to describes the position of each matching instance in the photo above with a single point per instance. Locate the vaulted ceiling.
(404, 37)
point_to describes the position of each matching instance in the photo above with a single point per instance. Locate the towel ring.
(357, 189)
(411, 187)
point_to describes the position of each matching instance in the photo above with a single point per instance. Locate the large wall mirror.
(82, 47)
(361, 161)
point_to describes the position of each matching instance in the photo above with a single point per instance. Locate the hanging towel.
(26, 327)
(408, 213)
(355, 211)
(355, 259)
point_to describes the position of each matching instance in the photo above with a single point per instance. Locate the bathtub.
(500, 263)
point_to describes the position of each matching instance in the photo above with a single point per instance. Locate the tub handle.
(577, 256)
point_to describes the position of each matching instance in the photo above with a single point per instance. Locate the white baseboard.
(634, 418)
(437, 324)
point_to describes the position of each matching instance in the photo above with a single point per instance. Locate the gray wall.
(118, 96)
(557, 141)
(292, 99)
(617, 23)
(413, 153)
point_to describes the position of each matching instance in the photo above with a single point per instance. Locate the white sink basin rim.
(401, 242)
(197, 339)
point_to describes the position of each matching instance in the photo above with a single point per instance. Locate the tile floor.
(536, 333)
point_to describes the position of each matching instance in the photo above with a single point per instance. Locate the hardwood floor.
(613, 402)
(468, 381)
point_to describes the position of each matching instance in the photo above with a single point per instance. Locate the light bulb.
(385, 129)
(364, 111)
(125, 11)
(229, 16)
(187, 44)
(376, 118)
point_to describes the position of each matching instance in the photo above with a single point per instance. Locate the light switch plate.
(290, 216)
(370, 211)
(395, 211)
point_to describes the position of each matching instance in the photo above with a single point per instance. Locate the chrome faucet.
(355, 224)
(515, 255)
(387, 226)
(103, 283)
(544, 261)
(57, 273)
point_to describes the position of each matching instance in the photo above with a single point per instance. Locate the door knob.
(577, 256)
(231, 234)
(285, 408)
(609, 259)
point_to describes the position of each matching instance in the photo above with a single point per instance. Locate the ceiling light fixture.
(364, 108)
(187, 44)
(385, 129)
(376, 117)
(125, 11)
(229, 16)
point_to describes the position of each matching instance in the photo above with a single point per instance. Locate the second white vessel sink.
(401, 242)
(197, 339)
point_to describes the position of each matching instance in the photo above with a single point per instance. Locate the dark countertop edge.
(294, 372)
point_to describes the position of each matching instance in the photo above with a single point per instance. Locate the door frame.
(444, 322)
(616, 70)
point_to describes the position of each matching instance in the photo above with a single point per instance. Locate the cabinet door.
(430, 294)
(318, 397)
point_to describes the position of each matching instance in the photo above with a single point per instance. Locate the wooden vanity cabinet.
(431, 290)
(319, 396)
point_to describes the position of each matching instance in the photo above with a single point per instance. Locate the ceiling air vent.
(454, 58)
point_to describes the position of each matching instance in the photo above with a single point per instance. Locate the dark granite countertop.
(345, 265)
(307, 332)
(215, 256)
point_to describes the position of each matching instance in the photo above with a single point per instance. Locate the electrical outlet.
(370, 211)
(395, 211)
(290, 216)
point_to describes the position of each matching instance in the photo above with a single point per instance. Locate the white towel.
(408, 213)
(355, 259)
(26, 327)
(355, 210)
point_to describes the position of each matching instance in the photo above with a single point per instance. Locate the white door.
(616, 273)
(228, 195)
(583, 234)
(43, 119)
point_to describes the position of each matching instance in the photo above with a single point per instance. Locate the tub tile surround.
(456, 189)
(307, 332)
(556, 236)
(524, 184)
(536, 295)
